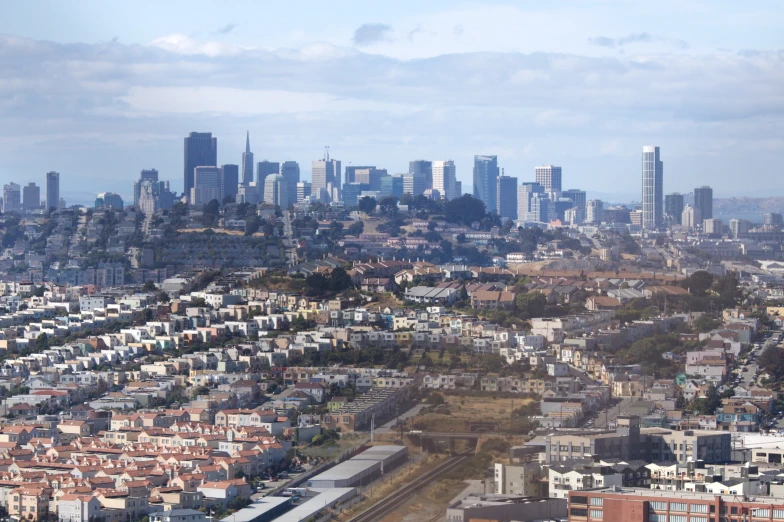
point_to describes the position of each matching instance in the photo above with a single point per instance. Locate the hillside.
(746, 205)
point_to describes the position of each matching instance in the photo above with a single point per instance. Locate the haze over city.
(101, 91)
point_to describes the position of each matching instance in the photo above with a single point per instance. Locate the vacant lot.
(458, 412)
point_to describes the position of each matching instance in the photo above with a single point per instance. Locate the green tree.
(339, 280)
(698, 283)
(388, 205)
(530, 304)
(149, 286)
(367, 205)
(465, 210)
(706, 323)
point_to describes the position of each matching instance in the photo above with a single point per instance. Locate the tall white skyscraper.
(652, 187)
(52, 191)
(594, 211)
(325, 176)
(445, 178)
(275, 191)
(549, 177)
(12, 198)
(247, 161)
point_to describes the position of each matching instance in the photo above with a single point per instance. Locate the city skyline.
(524, 110)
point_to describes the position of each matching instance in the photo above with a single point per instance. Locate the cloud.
(369, 34)
(100, 112)
(415, 31)
(602, 41)
(226, 29)
(635, 38)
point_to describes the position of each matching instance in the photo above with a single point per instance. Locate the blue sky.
(102, 90)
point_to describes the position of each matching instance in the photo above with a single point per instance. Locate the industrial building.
(361, 469)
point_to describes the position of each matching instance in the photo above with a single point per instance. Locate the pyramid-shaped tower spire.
(247, 141)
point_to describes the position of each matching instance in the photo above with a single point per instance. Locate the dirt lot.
(430, 504)
(459, 411)
(331, 450)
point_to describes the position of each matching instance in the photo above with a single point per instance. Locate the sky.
(100, 90)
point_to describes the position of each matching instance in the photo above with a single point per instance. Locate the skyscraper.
(578, 197)
(392, 186)
(673, 207)
(414, 184)
(351, 172)
(549, 177)
(652, 187)
(445, 179)
(247, 161)
(486, 181)
(303, 190)
(275, 191)
(691, 217)
(772, 218)
(109, 200)
(422, 168)
(229, 181)
(703, 200)
(265, 168)
(507, 197)
(290, 172)
(52, 191)
(31, 197)
(525, 193)
(370, 176)
(12, 198)
(201, 150)
(594, 211)
(325, 176)
(207, 185)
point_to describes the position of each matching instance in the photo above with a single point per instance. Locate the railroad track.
(395, 499)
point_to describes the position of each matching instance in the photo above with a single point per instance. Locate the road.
(288, 240)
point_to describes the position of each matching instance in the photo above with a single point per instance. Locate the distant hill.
(743, 205)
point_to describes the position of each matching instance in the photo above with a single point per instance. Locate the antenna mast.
(326, 153)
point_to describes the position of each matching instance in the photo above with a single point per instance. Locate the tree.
(42, 342)
(465, 210)
(530, 305)
(212, 207)
(706, 323)
(772, 361)
(149, 286)
(316, 283)
(367, 205)
(698, 283)
(356, 228)
(388, 205)
(339, 280)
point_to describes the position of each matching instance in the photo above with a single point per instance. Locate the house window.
(597, 514)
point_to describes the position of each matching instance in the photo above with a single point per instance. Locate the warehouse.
(389, 456)
(347, 474)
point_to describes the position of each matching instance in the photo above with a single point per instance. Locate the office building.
(392, 186)
(12, 198)
(52, 191)
(542, 209)
(303, 190)
(414, 184)
(352, 193)
(458, 188)
(525, 193)
(445, 179)
(712, 226)
(201, 150)
(594, 211)
(325, 179)
(422, 168)
(574, 216)
(350, 174)
(486, 181)
(739, 227)
(673, 207)
(249, 193)
(265, 168)
(691, 217)
(247, 161)
(506, 197)
(207, 185)
(290, 172)
(109, 200)
(772, 218)
(229, 181)
(275, 191)
(370, 176)
(548, 176)
(703, 200)
(652, 188)
(654, 505)
(578, 197)
(157, 190)
(31, 197)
